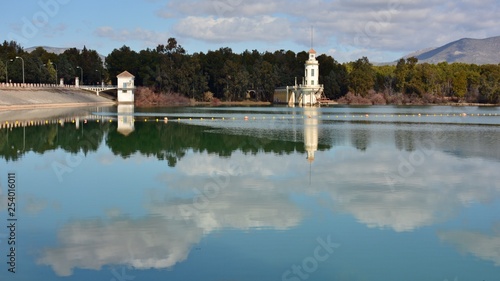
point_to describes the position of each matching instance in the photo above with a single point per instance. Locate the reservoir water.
(252, 193)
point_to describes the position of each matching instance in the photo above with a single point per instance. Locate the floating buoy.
(246, 118)
(165, 120)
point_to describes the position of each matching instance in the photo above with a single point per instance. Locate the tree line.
(41, 66)
(229, 76)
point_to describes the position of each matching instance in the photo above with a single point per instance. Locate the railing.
(98, 88)
(33, 85)
(43, 85)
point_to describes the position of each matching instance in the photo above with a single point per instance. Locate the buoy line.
(163, 118)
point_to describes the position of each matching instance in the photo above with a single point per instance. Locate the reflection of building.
(309, 92)
(125, 119)
(310, 132)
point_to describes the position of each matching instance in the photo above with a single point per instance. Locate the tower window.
(312, 72)
(312, 82)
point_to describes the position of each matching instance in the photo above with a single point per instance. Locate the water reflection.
(125, 116)
(311, 131)
(482, 245)
(172, 185)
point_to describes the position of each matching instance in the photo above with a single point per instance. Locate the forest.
(227, 76)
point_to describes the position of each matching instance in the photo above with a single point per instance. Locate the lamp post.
(81, 74)
(18, 57)
(57, 83)
(7, 70)
(100, 77)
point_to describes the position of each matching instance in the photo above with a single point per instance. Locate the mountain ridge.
(465, 50)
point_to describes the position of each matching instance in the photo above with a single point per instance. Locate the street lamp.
(23, 65)
(7, 70)
(100, 77)
(56, 72)
(81, 72)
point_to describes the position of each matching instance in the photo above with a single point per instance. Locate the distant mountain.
(56, 50)
(466, 50)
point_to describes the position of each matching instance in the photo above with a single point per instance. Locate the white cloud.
(147, 37)
(378, 26)
(221, 8)
(166, 237)
(483, 246)
(142, 243)
(234, 29)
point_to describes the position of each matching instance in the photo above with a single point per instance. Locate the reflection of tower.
(125, 119)
(310, 131)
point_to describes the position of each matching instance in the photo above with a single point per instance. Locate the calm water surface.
(339, 193)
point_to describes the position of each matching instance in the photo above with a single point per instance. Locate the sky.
(382, 30)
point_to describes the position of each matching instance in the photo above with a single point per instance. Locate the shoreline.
(13, 107)
(430, 104)
(46, 98)
(52, 105)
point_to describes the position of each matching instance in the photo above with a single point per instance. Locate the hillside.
(466, 50)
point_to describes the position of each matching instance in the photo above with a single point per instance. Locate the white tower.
(125, 87)
(312, 70)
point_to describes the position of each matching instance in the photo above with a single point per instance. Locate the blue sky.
(382, 30)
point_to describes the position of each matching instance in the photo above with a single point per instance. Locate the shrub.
(145, 96)
(208, 96)
(378, 99)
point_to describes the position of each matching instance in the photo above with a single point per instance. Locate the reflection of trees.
(16, 141)
(171, 141)
(360, 138)
(405, 140)
(163, 141)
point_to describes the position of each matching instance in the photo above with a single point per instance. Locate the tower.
(311, 70)
(125, 87)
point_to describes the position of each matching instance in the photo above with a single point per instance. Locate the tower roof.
(125, 74)
(312, 51)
